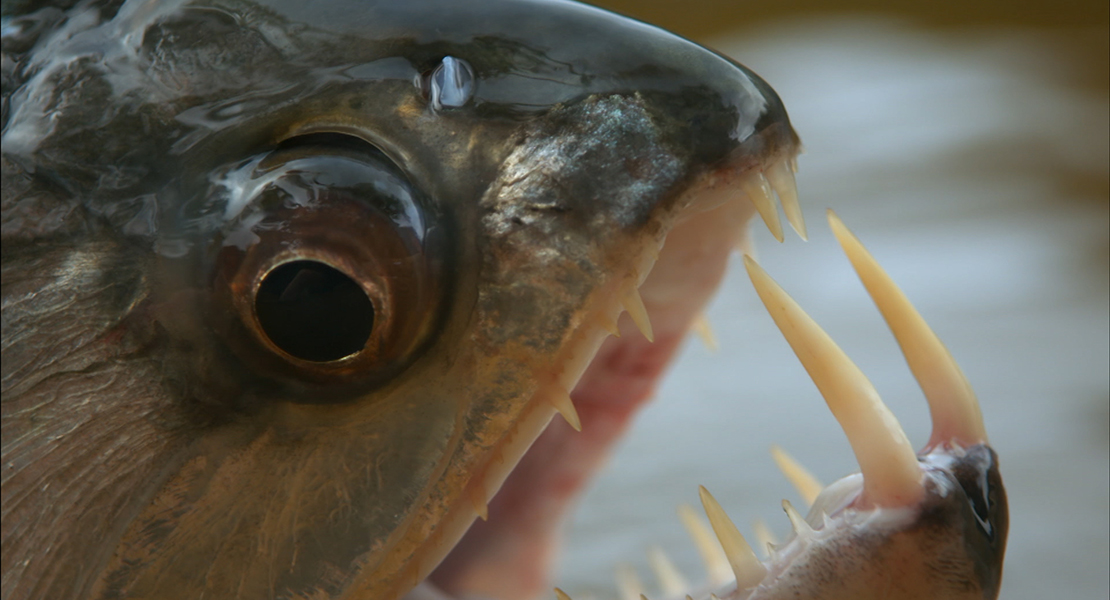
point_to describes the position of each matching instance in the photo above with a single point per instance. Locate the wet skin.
(290, 288)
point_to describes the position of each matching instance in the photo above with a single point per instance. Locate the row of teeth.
(776, 181)
(633, 304)
(762, 188)
(891, 473)
(720, 553)
(718, 565)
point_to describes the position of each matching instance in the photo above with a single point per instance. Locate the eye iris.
(313, 311)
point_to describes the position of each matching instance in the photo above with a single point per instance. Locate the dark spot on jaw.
(973, 473)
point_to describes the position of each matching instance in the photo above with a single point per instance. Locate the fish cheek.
(88, 426)
(283, 507)
(572, 223)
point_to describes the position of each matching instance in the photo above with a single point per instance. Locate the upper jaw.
(659, 262)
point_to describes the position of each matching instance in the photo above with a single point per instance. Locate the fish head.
(289, 288)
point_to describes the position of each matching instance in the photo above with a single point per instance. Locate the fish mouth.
(633, 327)
(926, 524)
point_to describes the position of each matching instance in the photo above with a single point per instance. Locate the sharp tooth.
(797, 521)
(767, 540)
(952, 403)
(807, 485)
(671, 582)
(561, 595)
(747, 568)
(478, 500)
(891, 475)
(628, 583)
(611, 327)
(704, 330)
(781, 178)
(562, 403)
(634, 304)
(716, 563)
(759, 191)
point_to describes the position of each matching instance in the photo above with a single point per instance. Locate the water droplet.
(452, 83)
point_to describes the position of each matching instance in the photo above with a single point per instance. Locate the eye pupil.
(313, 311)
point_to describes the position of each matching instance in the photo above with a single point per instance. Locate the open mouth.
(607, 374)
(928, 524)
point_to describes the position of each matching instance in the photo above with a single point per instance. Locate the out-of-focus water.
(976, 174)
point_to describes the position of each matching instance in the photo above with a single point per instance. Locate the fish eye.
(329, 267)
(313, 311)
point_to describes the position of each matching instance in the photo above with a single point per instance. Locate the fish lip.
(973, 471)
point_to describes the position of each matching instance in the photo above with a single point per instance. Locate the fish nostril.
(313, 311)
(451, 84)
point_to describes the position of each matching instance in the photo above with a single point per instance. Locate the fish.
(293, 293)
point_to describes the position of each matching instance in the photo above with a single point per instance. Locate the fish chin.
(944, 546)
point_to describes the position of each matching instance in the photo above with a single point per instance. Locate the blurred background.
(967, 145)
